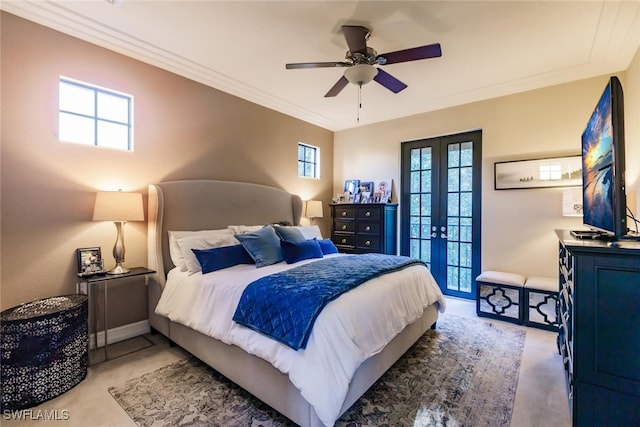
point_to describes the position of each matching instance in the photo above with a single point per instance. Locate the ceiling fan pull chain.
(359, 101)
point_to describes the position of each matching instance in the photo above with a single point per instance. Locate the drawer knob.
(344, 241)
(367, 243)
(367, 213)
(344, 213)
(367, 228)
(344, 227)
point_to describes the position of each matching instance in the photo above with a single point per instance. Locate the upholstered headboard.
(210, 205)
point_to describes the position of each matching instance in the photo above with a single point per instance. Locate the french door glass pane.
(426, 158)
(466, 154)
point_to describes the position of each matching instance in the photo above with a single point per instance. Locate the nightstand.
(90, 286)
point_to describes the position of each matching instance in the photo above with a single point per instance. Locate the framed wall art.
(538, 173)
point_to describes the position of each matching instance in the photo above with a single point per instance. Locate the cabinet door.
(607, 322)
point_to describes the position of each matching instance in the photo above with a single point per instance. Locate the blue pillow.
(327, 247)
(263, 246)
(298, 251)
(218, 258)
(290, 234)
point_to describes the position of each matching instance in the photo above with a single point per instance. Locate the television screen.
(604, 205)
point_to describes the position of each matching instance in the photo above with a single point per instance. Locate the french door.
(440, 208)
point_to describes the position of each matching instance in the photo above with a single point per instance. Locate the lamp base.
(118, 269)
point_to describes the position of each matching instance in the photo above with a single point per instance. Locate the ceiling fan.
(360, 61)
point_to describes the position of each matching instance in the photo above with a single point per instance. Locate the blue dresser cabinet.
(599, 339)
(365, 228)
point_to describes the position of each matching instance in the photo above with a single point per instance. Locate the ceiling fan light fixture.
(360, 74)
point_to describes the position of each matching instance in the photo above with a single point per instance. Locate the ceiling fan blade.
(388, 81)
(340, 84)
(356, 37)
(413, 54)
(316, 65)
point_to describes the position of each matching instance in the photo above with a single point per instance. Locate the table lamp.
(119, 207)
(313, 209)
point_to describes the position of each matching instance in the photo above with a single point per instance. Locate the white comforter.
(348, 331)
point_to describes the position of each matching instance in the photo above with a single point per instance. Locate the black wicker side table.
(43, 350)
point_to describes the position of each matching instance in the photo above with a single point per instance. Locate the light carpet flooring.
(541, 398)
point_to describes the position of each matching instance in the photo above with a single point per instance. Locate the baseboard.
(121, 333)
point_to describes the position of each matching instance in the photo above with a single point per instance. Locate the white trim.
(122, 333)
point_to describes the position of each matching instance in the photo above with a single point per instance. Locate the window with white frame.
(308, 161)
(92, 115)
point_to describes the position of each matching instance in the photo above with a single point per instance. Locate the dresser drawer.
(370, 243)
(344, 227)
(344, 240)
(368, 213)
(345, 212)
(369, 227)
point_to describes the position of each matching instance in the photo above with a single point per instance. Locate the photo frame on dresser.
(351, 186)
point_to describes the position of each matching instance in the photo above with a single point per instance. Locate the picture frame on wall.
(89, 261)
(538, 173)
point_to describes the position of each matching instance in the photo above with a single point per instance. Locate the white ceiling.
(489, 49)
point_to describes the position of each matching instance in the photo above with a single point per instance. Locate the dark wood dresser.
(599, 339)
(362, 228)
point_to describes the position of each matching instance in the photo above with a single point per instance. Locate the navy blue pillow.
(218, 258)
(298, 251)
(327, 247)
(290, 234)
(263, 246)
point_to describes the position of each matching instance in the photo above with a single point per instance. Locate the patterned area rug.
(464, 373)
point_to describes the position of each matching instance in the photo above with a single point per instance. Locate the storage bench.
(513, 298)
(541, 300)
(499, 295)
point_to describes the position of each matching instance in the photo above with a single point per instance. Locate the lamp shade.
(313, 209)
(360, 74)
(118, 206)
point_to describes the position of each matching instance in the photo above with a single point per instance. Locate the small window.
(93, 115)
(308, 161)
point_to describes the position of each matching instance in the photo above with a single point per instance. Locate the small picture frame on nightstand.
(89, 261)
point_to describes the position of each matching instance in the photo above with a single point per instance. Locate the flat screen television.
(603, 188)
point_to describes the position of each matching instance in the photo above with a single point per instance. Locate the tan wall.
(632, 132)
(517, 225)
(182, 130)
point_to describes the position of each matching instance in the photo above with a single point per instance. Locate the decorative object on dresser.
(119, 207)
(43, 349)
(600, 320)
(365, 228)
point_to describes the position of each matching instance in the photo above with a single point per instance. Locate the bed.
(213, 205)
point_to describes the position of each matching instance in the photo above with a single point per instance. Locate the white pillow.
(174, 248)
(209, 240)
(310, 231)
(244, 229)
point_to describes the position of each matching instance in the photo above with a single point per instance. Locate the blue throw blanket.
(285, 305)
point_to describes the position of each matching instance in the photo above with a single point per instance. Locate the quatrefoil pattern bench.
(514, 298)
